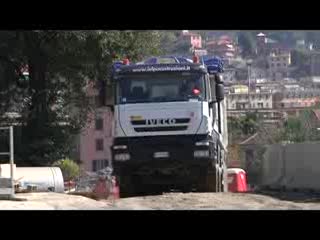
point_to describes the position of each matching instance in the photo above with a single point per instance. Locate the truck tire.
(224, 179)
(209, 179)
(126, 186)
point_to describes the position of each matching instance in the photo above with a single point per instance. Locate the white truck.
(170, 127)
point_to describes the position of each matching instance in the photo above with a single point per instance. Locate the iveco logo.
(167, 121)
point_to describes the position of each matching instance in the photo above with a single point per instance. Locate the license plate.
(161, 155)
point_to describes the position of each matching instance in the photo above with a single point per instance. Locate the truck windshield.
(160, 87)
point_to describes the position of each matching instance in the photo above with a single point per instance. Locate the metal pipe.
(11, 161)
(43, 178)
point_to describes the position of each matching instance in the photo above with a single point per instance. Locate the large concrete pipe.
(42, 178)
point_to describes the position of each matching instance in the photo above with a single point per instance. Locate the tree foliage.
(246, 41)
(242, 127)
(70, 169)
(300, 129)
(301, 61)
(53, 101)
(293, 130)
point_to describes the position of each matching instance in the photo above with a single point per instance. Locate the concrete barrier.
(292, 166)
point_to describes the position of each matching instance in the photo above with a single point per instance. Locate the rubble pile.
(95, 184)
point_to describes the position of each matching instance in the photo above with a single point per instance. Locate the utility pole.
(249, 62)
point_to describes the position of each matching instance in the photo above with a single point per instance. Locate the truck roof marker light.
(196, 91)
(195, 59)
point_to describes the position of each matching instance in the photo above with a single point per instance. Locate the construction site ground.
(168, 201)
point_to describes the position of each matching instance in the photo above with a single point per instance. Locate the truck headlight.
(116, 147)
(201, 153)
(203, 143)
(122, 157)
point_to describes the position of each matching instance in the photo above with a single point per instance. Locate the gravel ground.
(213, 201)
(168, 201)
(53, 201)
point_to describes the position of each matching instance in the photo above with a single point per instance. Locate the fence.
(291, 166)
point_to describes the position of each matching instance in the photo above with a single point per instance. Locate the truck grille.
(177, 120)
(159, 129)
(141, 126)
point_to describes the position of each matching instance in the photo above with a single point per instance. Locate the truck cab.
(169, 127)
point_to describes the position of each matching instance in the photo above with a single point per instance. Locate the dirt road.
(168, 201)
(216, 201)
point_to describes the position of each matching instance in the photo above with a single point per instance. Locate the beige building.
(239, 104)
(254, 100)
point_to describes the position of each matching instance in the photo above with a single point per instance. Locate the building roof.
(212, 42)
(225, 37)
(261, 35)
(249, 140)
(224, 42)
(235, 170)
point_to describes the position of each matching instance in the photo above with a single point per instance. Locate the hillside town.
(266, 83)
(85, 110)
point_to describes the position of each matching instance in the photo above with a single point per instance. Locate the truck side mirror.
(218, 78)
(219, 92)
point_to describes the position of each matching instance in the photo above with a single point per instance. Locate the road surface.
(168, 201)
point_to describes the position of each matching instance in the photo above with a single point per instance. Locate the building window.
(99, 164)
(260, 105)
(99, 144)
(99, 124)
(267, 104)
(278, 64)
(284, 65)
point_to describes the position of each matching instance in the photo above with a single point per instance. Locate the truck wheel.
(224, 179)
(126, 186)
(209, 180)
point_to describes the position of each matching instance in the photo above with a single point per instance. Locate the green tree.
(246, 41)
(301, 61)
(52, 101)
(249, 124)
(293, 130)
(240, 128)
(168, 41)
(70, 169)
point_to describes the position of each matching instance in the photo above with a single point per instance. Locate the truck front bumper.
(162, 153)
